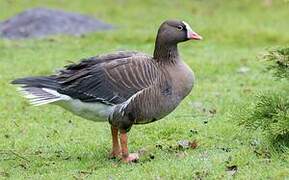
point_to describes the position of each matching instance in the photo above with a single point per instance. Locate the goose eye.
(180, 28)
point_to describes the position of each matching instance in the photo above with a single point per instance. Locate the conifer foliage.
(270, 111)
(279, 62)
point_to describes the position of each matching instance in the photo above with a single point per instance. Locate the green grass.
(50, 143)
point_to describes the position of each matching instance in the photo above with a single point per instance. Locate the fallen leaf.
(213, 111)
(181, 154)
(67, 158)
(243, 70)
(114, 164)
(184, 144)
(247, 90)
(232, 170)
(193, 144)
(23, 166)
(4, 174)
(142, 151)
(85, 172)
(197, 105)
(201, 175)
(37, 152)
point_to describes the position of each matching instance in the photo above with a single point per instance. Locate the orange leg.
(115, 144)
(126, 157)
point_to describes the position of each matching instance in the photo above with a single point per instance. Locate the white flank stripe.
(127, 102)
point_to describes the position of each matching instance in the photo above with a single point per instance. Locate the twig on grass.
(14, 153)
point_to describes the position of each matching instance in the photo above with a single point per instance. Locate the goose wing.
(110, 79)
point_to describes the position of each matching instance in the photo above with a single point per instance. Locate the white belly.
(92, 111)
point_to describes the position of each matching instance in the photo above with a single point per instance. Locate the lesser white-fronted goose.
(122, 88)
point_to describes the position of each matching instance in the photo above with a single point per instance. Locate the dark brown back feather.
(109, 79)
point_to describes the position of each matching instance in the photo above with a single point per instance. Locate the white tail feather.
(41, 96)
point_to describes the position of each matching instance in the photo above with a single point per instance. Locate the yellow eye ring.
(180, 28)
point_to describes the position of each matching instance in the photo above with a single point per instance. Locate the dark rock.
(41, 22)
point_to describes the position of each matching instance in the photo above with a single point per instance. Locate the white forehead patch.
(188, 27)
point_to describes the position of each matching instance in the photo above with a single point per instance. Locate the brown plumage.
(124, 88)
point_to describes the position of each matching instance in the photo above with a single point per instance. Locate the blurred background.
(50, 142)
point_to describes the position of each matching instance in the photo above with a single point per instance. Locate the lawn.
(49, 143)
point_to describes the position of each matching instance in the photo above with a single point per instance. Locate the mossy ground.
(50, 143)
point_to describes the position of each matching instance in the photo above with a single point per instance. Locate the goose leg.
(116, 152)
(126, 157)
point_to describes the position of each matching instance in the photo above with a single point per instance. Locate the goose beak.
(193, 35)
